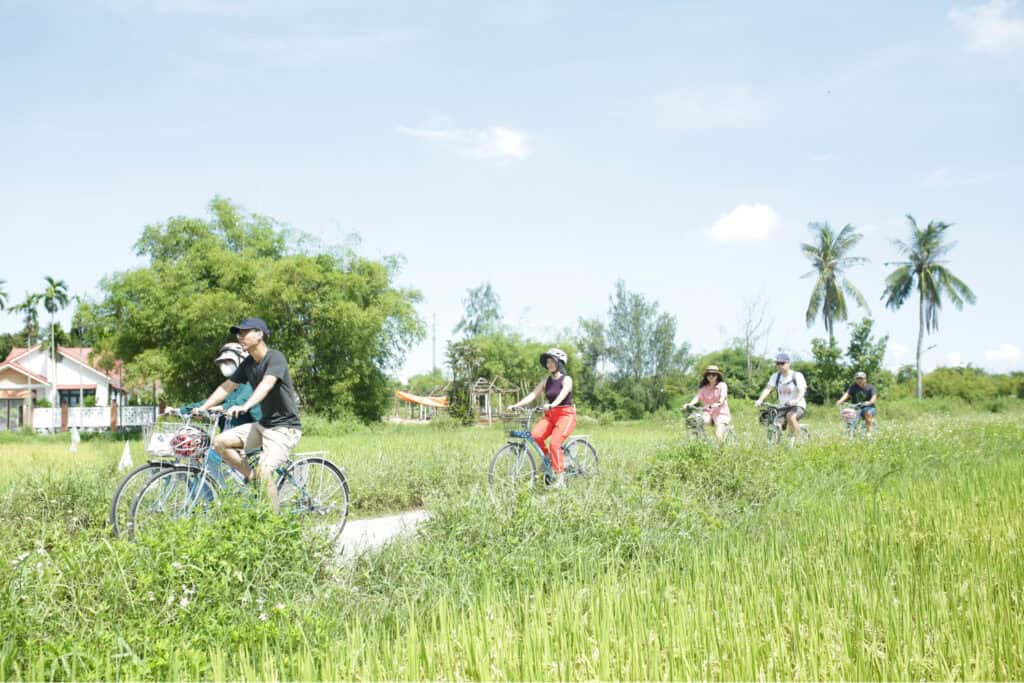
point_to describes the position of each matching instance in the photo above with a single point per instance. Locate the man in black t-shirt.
(279, 430)
(866, 395)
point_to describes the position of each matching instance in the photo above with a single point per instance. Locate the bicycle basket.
(156, 438)
(848, 414)
(695, 420)
(516, 422)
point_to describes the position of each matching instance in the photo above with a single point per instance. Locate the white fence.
(93, 419)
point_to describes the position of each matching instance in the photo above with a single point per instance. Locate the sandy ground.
(362, 535)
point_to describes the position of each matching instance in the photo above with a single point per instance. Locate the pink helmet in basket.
(190, 442)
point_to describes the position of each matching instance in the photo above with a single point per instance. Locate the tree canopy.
(338, 317)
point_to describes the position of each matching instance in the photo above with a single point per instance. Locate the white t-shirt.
(789, 387)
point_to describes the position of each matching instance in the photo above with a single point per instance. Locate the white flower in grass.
(177, 566)
(183, 603)
(19, 559)
(263, 616)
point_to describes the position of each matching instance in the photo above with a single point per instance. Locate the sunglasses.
(781, 362)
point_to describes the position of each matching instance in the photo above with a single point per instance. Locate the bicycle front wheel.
(512, 468)
(120, 514)
(175, 493)
(316, 487)
(580, 459)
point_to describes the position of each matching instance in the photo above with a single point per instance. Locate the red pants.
(557, 423)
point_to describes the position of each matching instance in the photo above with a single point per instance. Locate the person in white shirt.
(791, 388)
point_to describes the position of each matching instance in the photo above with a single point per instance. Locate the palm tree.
(829, 256)
(3, 295)
(925, 269)
(55, 297)
(29, 309)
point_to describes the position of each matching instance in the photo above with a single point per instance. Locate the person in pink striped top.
(713, 393)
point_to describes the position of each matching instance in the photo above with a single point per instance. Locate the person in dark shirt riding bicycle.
(279, 430)
(865, 394)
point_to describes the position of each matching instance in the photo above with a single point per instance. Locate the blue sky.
(549, 148)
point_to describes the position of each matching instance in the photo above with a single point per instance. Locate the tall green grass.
(897, 558)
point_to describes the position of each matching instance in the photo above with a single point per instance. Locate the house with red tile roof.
(30, 374)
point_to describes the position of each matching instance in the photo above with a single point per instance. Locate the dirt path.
(362, 535)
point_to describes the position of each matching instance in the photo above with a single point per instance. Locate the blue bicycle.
(514, 466)
(308, 484)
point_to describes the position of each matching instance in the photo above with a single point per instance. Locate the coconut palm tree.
(925, 269)
(829, 253)
(55, 298)
(3, 295)
(29, 310)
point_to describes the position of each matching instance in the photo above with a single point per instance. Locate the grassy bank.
(897, 558)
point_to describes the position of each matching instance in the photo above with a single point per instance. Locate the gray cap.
(860, 375)
(782, 358)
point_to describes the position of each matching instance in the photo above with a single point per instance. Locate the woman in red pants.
(559, 413)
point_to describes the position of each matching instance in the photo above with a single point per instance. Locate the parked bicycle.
(853, 420)
(773, 417)
(515, 465)
(698, 431)
(308, 484)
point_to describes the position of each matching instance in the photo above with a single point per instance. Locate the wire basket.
(517, 421)
(171, 439)
(695, 420)
(849, 415)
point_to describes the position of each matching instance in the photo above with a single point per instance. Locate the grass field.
(897, 558)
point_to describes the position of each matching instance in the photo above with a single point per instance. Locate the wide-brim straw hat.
(715, 369)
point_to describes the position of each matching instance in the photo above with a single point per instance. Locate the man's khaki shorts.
(277, 442)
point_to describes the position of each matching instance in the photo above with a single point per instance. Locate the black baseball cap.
(252, 324)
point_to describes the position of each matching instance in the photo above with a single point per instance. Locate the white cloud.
(746, 223)
(954, 359)
(494, 142)
(702, 108)
(1006, 353)
(989, 28)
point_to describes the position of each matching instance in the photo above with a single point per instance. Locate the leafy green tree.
(482, 312)
(642, 349)
(337, 317)
(593, 350)
(827, 377)
(829, 254)
(925, 268)
(866, 353)
(423, 384)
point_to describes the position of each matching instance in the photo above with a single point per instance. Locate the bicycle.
(773, 417)
(696, 428)
(854, 422)
(156, 443)
(308, 484)
(514, 465)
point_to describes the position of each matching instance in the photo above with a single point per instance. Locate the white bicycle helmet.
(558, 354)
(233, 352)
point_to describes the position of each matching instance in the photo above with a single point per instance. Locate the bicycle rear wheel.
(316, 487)
(176, 493)
(512, 468)
(580, 459)
(120, 514)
